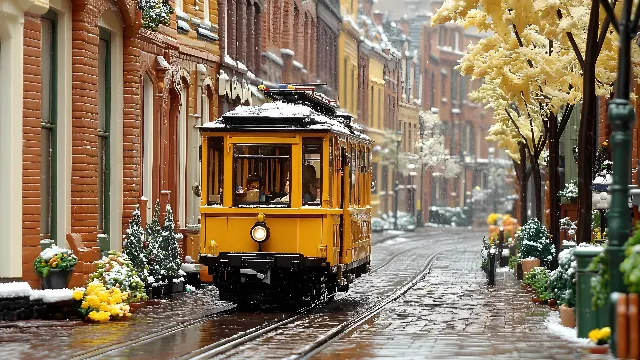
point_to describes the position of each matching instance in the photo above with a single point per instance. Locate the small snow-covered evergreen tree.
(535, 242)
(169, 245)
(155, 253)
(134, 245)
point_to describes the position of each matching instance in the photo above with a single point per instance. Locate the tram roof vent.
(303, 94)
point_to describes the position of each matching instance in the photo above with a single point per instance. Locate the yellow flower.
(594, 335)
(99, 316)
(78, 294)
(605, 333)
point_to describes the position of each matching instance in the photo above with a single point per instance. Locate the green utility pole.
(621, 117)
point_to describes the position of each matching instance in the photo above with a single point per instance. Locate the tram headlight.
(260, 232)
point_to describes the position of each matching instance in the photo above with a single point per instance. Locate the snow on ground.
(553, 324)
(395, 232)
(503, 269)
(14, 290)
(396, 240)
(52, 295)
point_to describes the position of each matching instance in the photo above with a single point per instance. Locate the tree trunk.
(587, 127)
(524, 184)
(537, 188)
(554, 186)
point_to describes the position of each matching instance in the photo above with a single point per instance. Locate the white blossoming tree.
(430, 152)
(542, 56)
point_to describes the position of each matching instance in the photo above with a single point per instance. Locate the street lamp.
(398, 139)
(621, 116)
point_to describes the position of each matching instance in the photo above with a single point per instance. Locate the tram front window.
(261, 175)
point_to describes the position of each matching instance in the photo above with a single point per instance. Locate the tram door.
(344, 198)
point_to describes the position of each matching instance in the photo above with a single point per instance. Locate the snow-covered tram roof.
(282, 115)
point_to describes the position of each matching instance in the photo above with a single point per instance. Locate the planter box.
(177, 287)
(528, 265)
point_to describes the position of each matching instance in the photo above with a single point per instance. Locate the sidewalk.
(452, 314)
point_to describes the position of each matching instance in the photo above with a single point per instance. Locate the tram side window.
(215, 170)
(261, 175)
(311, 171)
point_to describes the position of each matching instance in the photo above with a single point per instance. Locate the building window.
(456, 41)
(147, 148)
(104, 120)
(380, 111)
(463, 88)
(49, 70)
(193, 162)
(442, 85)
(183, 203)
(372, 121)
(454, 86)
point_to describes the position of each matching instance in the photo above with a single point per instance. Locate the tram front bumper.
(260, 261)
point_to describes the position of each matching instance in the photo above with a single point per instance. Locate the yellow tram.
(285, 208)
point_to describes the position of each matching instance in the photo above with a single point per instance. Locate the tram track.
(231, 342)
(224, 347)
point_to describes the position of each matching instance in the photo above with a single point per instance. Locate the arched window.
(147, 144)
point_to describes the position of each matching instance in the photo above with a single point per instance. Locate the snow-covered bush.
(134, 247)
(569, 226)
(154, 253)
(562, 281)
(538, 279)
(169, 245)
(155, 13)
(116, 271)
(570, 191)
(535, 242)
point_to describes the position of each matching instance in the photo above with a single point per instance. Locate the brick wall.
(31, 148)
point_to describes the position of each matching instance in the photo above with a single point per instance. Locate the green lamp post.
(621, 117)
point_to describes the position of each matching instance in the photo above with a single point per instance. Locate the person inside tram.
(284, 198)
(310, 186)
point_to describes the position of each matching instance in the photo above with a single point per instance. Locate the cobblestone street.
(449, 314)
(453, 314)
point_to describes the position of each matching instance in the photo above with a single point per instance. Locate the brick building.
(289, 37)
(241, 36)
(106, 119)
(326, 55)
(466, 123)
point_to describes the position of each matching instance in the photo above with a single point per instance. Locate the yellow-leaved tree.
(536, 61)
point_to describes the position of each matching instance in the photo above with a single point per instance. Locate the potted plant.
(116, 271)
(538, 280)
(562, 285)
(600, 337)
(54, 266)
(535, 246)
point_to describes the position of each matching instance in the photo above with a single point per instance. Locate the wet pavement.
(449, 314)
(452, 314)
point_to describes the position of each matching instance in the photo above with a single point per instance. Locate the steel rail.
(224, 346)
(225, 310)
(339, 331)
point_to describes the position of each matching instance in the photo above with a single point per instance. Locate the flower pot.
(599, 349)
(536, 300)
(552, 302)
(528, 265)
(57, 279)
(567, 316)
